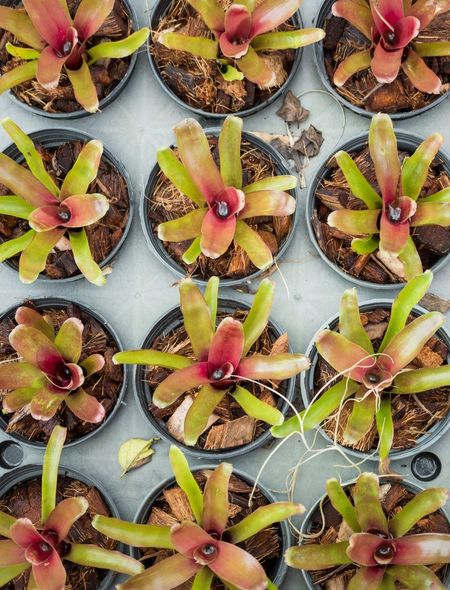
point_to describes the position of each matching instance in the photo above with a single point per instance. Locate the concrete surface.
(140, 289)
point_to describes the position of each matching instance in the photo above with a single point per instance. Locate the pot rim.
(352, 144)
(173, 316)
(285, 534)
(324, 11)
(49, 301)
(426, 440)
(155, 244)
(52, 138)
(162, 5)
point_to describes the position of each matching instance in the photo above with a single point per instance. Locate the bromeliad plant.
(206, 548)
(222, 360)
(240, 33)
(49, 372)
(372, 377)
(389, 220)
(380, 547)
(53, 213)
(51, 41)
(391, 26)
(44, 547)
(223, 204)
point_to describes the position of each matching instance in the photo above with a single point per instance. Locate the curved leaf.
(34, 256)
(135, 535)
(23, 73)
(350, 325)
(84, 259)
(178, 175)
(359, 185)
(230, 152)
(253, 245)
(287, 39)
(50, 468)
(197, 318)
(257, 409)
(415, 168)
(119, 49)
(187, 482)
(84, 171)
(84, 88)
(199, 46)
(258, 316)
(15, 206)
(13, 247)
(184, 228)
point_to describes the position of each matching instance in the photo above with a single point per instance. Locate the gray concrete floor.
(140, 289)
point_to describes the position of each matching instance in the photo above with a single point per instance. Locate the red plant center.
(390, 38)
(384, 553)
(222, 210)
(394, 213)
(63, 375)
(64, 214)
(39, 552)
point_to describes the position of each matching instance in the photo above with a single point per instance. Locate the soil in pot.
(363, 90)
(106, 73)
(413, 415)
(229, 426)
(172, 507)
(103, 236)
(24, 501)
(105, 385)
(167, 203)
(198, 82)
(394, 496)
(333, 192)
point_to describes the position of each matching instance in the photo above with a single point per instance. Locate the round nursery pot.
(29, 474)
(317, 228)
(161, 9)
(113, 378)
(276, 567)
(121, 81)
(323, 48)
(149, 224)
(167, 324)
(308, 387)
(63, 268)
(313, 520)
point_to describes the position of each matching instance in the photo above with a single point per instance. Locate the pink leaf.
(52, 60)
(226, 347)
(45, 218)
(270, 14)
(367, 578)
(386, 64)
(274, 366)
(344, 356)
(394, 225)
(179, 382)
(215, 500)
(271, 203)
(51, 19)
(32, 318)
(14, 375)
(90, 16)
(33, 259)
(363, 547)
(23, 184)
(45, 404)
(424, 10)
(235, 40)
(188, 536)
(420, 75)
(217, 234)
(404, 32)
(85, 407)
(356, 13)
(85, 209)
(35, 348)
(384, 154)
(10, 553)
(385, 13)
(64, 515)
(24, 533)
(50, 574)
(164, 575)
(17, 399)
(239, 568)
(354, 63)
(422, 549)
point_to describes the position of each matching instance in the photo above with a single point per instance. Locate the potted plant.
(379, 214)
(376, 371)
(67, 63)
(56, 369)
(47, 537)
(233, 223)
(385, 56)
(207, 372)
(216, 61)
(219, 536)
(375, 534)
(56, 222)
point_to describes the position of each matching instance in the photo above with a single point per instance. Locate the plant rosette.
(67, 212)
(239, 60)
(66, 63)
(378, 211)
(213, 375)
(236, 222)
(47, 540)
(205, 530)
(56, 369)
(375, 533)
(392, 401)
(385, 56)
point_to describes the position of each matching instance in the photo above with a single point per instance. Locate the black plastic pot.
(308, 390)
(165, 325)
(325, 13)
(59, 303)
(112, 96)
(278, 571)
(156, 245)
(406, 142)
(306, 527)
(20, 476)
(50, 138)
(159, 11)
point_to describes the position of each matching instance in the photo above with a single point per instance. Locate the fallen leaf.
(309, 142)
(292, 110)
(135, 452)
(433, 302)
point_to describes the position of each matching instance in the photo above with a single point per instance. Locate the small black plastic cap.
(11, 455)
(426, 466)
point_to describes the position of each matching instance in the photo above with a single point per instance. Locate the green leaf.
(411, 261)
(17, 76)
(193, 252)
(422, 505)
(178, 175)
(366, 496)
(196, 421)
(258, 316)
(359, 185)
(415, 168)
(403, 304)
(199, 46)
(134, 453)
(135, 535)
(84, 88)
(6, 522)
(255, 68)
(93, 556)
(197, 318)
(262, 518)
(361, 418)
(312, 557)
(15, 246)
(32, 157)
(24, 53)
(442, 196)
(350, 324)
(15, 206)
(50, 468)
(385, 427)
(230, 152)
(203, 579)
(154, 358)
(363, 246)
(211, 12)
(287, 39)
(34, 256)
(342, 504)
(10, 572)
(186, 481)
(211, 296)
(18, 23)
(229, 73)
(84, 171)
(119, 49)
(272, 183)
(256, 408)
(415, 577)
(420, 380)
(433, 49)
(83, 258)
